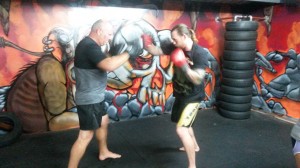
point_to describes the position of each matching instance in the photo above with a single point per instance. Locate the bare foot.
(109, 154)
(197, 149)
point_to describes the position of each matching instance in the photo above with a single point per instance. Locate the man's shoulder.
(85, 42)
(198, 48)
(85, 46)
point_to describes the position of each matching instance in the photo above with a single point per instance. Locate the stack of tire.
(10, 128)
(234, 100)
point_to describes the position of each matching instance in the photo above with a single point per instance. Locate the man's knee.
(86, 135)
(105, 121)
(181, 131)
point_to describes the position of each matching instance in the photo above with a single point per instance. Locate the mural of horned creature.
(285, 85)
(150, 99)
(42, 93)
(38, 95)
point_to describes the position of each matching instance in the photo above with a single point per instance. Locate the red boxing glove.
(178, 58)
(147, 40)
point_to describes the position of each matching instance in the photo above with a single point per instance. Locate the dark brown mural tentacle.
(6, 43)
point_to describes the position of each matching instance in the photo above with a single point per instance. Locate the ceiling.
(240, 1)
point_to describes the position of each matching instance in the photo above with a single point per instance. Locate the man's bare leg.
(101, 134)
(188, 144)
(191, 132)
(297, 158)
(79, 147)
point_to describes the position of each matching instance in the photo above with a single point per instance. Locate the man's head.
(182, 35)
(101, 32)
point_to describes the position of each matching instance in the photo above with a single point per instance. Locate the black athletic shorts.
(184, 112)
(90, 115)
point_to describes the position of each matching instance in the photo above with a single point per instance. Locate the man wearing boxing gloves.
(190, 61)
(91, 66)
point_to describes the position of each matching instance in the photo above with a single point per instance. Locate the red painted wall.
(29, 23)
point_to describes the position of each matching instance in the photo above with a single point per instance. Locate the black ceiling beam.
(241, 1)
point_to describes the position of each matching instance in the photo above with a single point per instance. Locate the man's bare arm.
(113, 62)
(154, 50)
(195, 76)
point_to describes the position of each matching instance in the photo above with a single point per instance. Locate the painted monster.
(38, 95)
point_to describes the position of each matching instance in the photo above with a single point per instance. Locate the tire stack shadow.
(234, 100)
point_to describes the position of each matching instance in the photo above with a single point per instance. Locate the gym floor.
(262, 141)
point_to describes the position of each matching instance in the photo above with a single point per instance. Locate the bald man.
(91, 66)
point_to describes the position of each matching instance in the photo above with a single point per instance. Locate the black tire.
(14, 134)
(238, 65)
(241, 26)
(240, 35)
(234, 115)
(239, 55)
(237, 74)
(235, 99)
(240, 45)
(237, 82)
(237, 107)
(236, 90)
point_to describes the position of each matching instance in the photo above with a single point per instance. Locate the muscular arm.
(195, 76)
(113, 62)
(154, 50)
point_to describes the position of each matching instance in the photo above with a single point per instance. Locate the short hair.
(97, 25)
(101, 24)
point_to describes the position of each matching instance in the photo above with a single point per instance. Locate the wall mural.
(39, 87)
(37, 48)
(286, 85)
(277, 86)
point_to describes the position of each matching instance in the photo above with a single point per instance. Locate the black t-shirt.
(87, 54)
(90, 80)
(182, 87)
